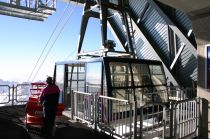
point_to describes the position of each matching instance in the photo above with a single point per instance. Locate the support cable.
(64, 13)
(70, 13)
(70, 54)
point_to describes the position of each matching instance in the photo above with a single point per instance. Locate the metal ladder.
(129, 29)
(132, 33)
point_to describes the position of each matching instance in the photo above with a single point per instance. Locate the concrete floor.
(12, 127)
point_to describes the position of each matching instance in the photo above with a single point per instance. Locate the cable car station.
(156, 86)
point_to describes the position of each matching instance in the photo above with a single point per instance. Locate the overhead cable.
(68, 18)
(70, 54)
(64, 13)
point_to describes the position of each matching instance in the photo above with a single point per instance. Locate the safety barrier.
(186, 118)
(22, 92)
(153, 121)
(178, 94)
(15, 94)
(83, 106)
(5, 94)
(114, 116)
(126, 119)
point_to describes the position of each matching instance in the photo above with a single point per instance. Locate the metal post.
(72, 104)
(198, 115)
(141, 122)
(135, 120)
(103, 19)
(95, 108)
(13, 89)
(171, 120)
(130, 115)
(164, 121)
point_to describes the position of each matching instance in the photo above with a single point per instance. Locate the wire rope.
(70, 54)
(60, 20)
(49, 50)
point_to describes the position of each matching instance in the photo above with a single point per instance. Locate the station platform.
(12, 127)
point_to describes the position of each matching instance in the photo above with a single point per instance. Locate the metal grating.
(28, 9)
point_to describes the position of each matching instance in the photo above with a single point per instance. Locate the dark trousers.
(49, 109)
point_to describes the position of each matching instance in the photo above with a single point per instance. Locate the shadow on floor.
(12, 127)
(78, 131)
(11, 130)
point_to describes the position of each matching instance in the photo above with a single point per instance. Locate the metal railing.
(115, 116)
(153, 121)
(178, 94)
(125, 119)
(15, 94)
(186, 117)
(5, 95)
(83, 106)
(22, 92)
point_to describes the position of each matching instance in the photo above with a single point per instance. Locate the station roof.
(199, 13)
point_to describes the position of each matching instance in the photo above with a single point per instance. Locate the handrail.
(14, 95)
(125, 119)
(117, 99)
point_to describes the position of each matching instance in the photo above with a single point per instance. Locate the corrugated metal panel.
(142, 49)
(155, 29)
(117, 25)
(155, 26)
(183, 20)
(158, 31)
(186, 25)
(139, 43)
(137, 5)
(186, 66)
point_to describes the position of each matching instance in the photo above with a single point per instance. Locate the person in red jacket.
(49, 99)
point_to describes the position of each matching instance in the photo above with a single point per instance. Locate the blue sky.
(22, 41)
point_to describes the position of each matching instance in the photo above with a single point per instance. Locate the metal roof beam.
(36, 11)
(21, 15)
(177, 56)
(118, 35)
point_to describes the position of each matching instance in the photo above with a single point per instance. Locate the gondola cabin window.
(76, 77)
(59, 80)
(94, 77)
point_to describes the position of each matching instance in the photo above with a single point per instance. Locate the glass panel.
(105, 92)
(162, 93)
(125, 94)
(143, 95)
(120, 74)
(93, 77)
(60, 80)
(157, 75)
(77, 79)
(141, 74)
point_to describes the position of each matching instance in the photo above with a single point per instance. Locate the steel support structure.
(105, 7)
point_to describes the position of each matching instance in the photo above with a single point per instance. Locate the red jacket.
(50, 89)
